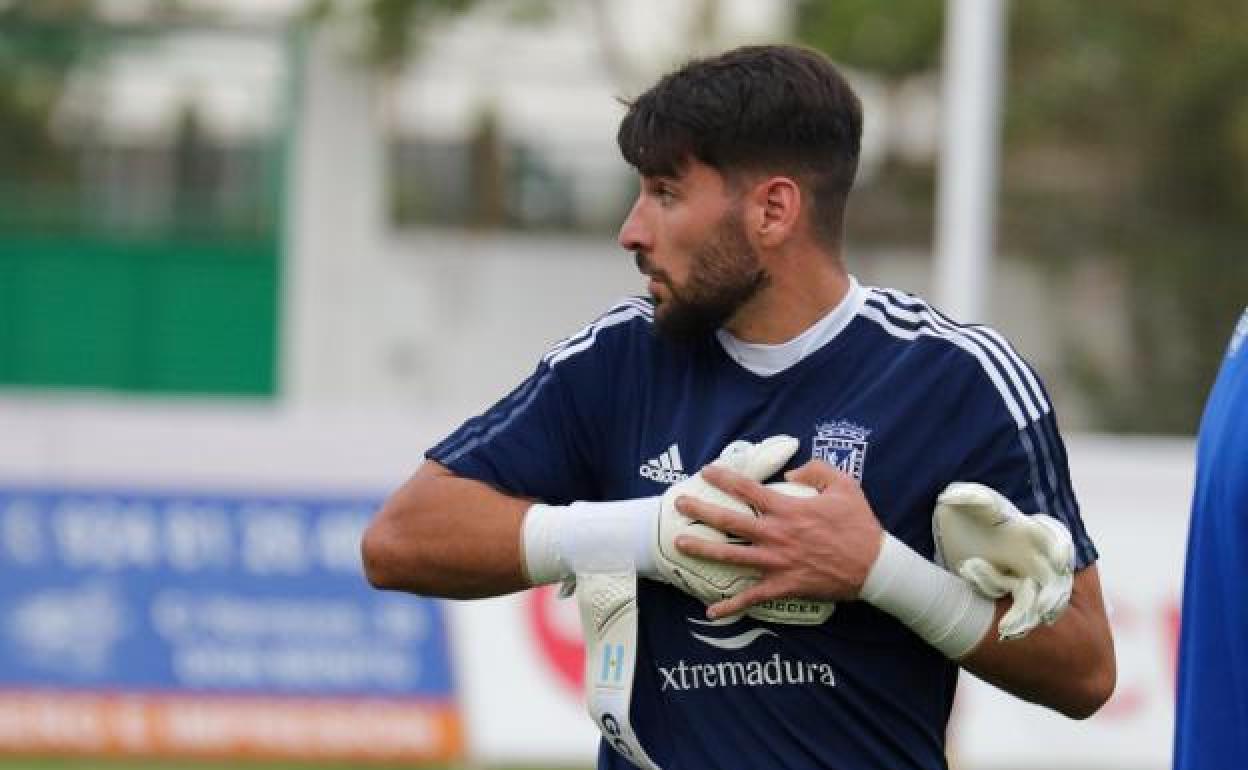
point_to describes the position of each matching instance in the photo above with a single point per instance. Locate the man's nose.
(634, 235)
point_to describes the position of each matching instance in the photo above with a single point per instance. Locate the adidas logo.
(666, 468)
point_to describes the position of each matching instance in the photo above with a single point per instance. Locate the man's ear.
(775, 208)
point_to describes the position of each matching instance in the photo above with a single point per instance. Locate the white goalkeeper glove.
(713, 581)
(982, 537)
(560, 541)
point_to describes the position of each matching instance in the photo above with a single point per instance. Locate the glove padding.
(713, 581)
(982, 537)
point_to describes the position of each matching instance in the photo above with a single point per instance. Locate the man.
(754, 328)
(1211, 722)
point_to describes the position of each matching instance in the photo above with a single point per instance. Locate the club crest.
(841, 444)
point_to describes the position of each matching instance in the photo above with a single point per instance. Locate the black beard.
(724, 276)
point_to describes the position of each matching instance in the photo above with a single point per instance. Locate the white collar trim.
(768, 360)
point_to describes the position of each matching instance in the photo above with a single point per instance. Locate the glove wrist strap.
(608, 609)
(559, 541)
(942, 608)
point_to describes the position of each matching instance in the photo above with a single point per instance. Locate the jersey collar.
(768, 360)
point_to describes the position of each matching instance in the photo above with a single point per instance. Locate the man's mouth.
(647, 269)
(643, 264)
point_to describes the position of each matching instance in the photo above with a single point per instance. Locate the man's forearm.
(1068, 666)
(442, 535)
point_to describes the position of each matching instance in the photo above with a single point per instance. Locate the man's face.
(688, 238)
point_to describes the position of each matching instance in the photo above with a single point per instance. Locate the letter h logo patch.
(612, 670)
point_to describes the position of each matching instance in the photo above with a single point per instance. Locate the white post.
(974, 59)
(336, 213)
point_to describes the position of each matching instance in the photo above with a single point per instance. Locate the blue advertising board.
(162, 592)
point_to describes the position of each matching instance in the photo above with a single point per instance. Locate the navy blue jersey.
(902, 398)
(1211, 719)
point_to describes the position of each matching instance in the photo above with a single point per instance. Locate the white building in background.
(439, 319)
(447, 320)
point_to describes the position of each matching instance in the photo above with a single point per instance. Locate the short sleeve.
(531, 443)
(1020, 452)
(546, 438)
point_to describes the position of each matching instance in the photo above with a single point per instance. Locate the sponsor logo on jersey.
(733, 642)
(771, 671)
(842, 444)
(667, 468)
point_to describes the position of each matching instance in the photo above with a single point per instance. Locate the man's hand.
(713, 581)
(559, 542)
(981, 536)
(708, 580)
(819, 547)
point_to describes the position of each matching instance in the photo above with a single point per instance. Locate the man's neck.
(794, 300)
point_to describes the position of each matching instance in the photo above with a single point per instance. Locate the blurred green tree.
(1126, 145)
(40, 43)
(394, 29)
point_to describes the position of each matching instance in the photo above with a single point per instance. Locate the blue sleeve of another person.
(1211, 715)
